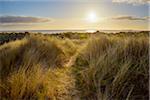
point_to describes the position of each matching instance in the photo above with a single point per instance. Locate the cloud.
(21, 19)
(132, 1)
(130, 18)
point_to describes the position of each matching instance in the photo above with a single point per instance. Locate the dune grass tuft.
(113, 68)
(33, 68)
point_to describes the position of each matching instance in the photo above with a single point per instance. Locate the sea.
(63, 31)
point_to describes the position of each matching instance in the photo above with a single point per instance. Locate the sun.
(92, 17)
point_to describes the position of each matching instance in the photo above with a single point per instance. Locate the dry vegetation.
(67, 67)
(109, 68)
(33, 68)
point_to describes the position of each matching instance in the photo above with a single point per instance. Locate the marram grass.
(103, 67)
(110, 68)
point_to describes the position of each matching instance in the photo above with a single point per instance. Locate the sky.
(74, 14)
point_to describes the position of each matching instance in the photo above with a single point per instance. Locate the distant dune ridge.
(74, 66)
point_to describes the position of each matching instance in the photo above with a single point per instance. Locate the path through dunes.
(99, 67)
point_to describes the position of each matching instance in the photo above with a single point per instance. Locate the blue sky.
(133, 15)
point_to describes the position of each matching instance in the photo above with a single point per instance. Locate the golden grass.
(113, 68)
(33, 68)
(38, 83)
(103, 67)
